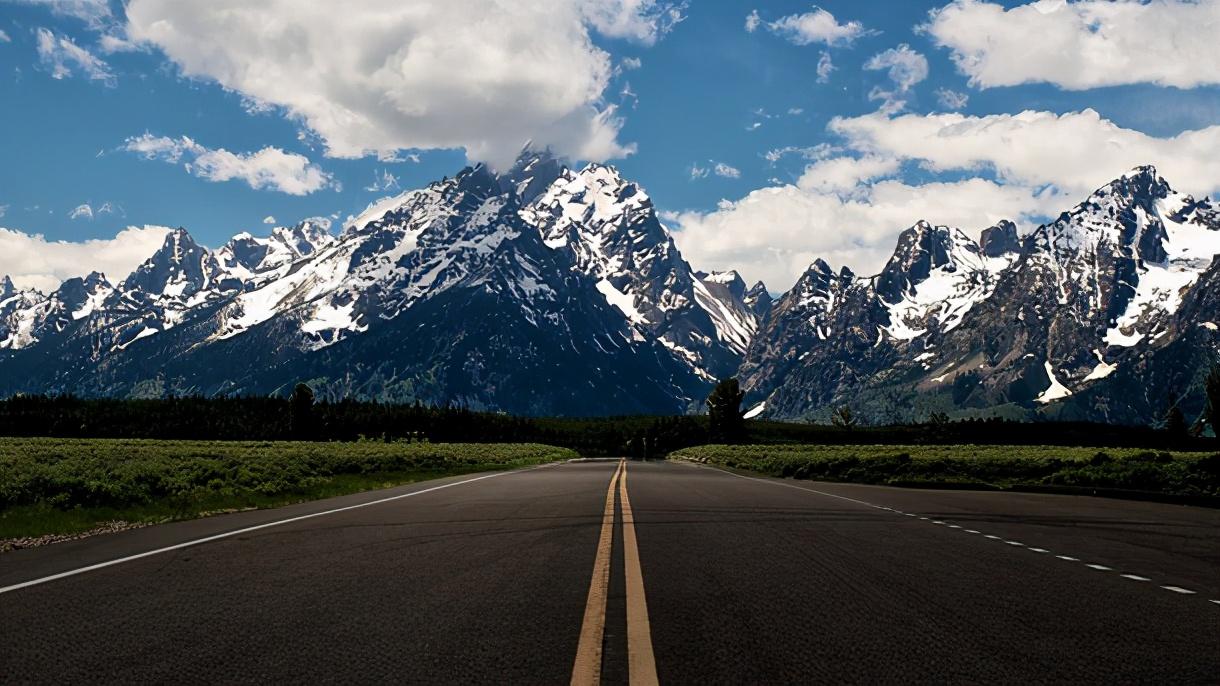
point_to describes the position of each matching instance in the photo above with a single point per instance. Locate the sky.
(767, 134)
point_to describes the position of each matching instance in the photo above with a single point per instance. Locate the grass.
(1120, 469)
(66, 486)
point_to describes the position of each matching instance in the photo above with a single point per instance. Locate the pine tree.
(844, 418)
(1211, 387)
(724, 416)
(302, 411)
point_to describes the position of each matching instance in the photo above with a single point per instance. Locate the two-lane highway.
(631, 572)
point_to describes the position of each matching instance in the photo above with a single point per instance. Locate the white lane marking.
(937, 522)
(954, 526)
(1101, 568)
(1179, 589)
(1175, 589)
(248, 529)
(1135, 577)
(1015, 543)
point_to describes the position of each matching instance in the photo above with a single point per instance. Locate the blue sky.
(81, 80)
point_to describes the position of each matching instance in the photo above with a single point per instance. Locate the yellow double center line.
(642, 666)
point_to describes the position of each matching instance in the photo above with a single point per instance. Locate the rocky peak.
(533, 172)
(1000, 239)
(920, 250)
(758, 299)
(7, 289)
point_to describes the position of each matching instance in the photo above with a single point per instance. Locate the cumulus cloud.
(35, 262)
(905, 66)
(62, 57)
(815, 26)
(269, 168)
(1076, 151)
(849, 204)
(269, 220)
(385, 75)
(1082, 44)
(775, 233)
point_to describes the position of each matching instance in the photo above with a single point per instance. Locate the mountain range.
(549, 290)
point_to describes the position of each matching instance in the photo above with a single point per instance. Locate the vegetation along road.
(631, 572)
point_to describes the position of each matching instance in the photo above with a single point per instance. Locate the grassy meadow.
(998, 467)
(65, 486)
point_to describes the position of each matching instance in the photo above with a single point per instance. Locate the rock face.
(552, 290)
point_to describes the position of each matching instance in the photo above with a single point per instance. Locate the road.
(630, 573)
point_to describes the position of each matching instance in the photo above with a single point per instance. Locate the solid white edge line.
(1179, 589)
(1135, 577)
(248, 529)
(1100, 568)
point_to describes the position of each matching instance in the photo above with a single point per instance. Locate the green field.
(1076, 469)
(63, 486)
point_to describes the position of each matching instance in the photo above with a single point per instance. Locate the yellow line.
(588, 668)
(642, 666)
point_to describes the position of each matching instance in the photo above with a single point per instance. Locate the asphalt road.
(666, 573)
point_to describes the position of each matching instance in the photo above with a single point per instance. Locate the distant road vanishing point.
(604, 571)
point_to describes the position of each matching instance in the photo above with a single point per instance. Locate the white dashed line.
(1179, 589)
(1103, 568)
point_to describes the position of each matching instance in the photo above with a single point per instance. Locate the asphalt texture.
(748, 580)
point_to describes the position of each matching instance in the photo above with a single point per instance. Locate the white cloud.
(385, 75)
(3, 211)
(95, 13)
(848, 206)
(1076, 151)
(813, 152)
(815, 26)
(269, 220)
(845, 174)
(82, 211)
(62, 57)
(752, 21)
(629, 63)
(721, 169)
(905, 66)
(4, 37)
(383, 182)
(1082, 44)
(825, 67)
(774, 233)
(951, 99)
(35, 262)
(726, 171)
(269, 168)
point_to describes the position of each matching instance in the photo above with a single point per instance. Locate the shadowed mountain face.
(552, 290)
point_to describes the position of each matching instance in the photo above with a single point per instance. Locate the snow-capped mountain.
(552, 290)
(444, 294)
(1011, 325)
(610, 229)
